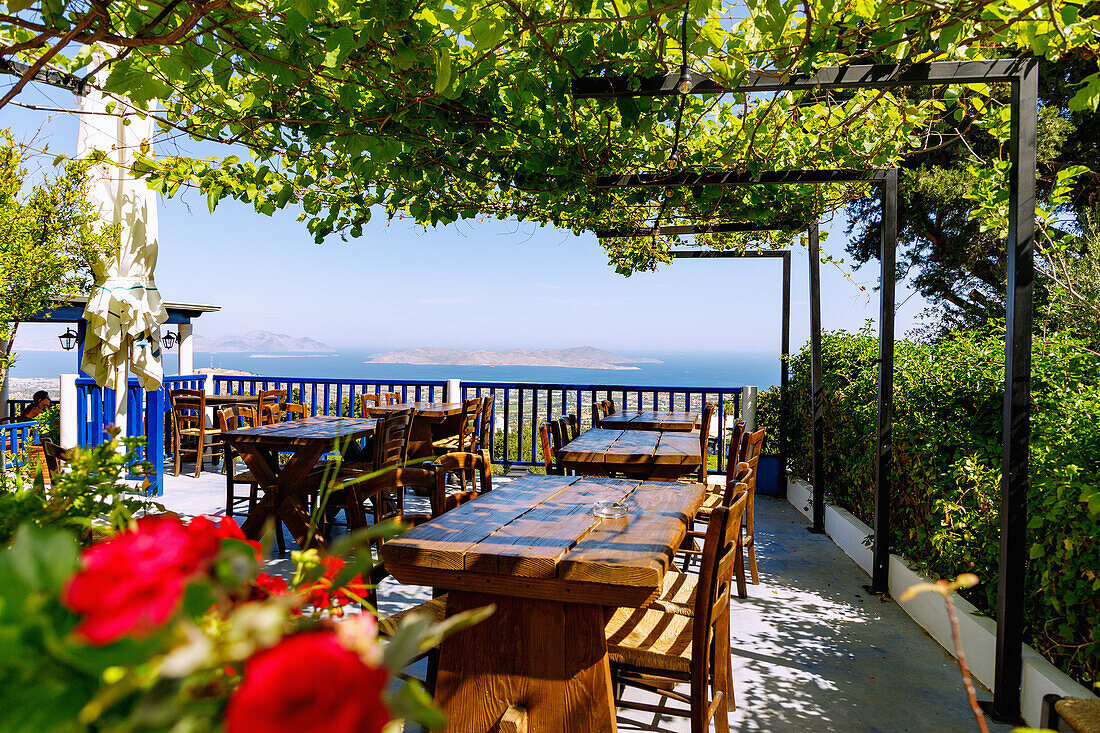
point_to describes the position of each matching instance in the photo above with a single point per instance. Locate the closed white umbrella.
(124, 312)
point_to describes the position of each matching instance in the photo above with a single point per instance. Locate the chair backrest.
(547, 449)
(295, 411)
(610, 406)
(574, 425)
(485, 426)
(54, 455)
(269, 398)
(391, 440)
(188, 407)
(751, 447)
(704, 427)
(236, 416)
(467, 431)
(453, 501)
(558, 434)
(721, 555)
(597, 413)
(367, 401)
(391, 398)
(733, 448)
(739, 482)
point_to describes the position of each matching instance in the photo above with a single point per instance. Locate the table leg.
(546, 657)
(282, 489)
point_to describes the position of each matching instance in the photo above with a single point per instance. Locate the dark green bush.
(947, 468)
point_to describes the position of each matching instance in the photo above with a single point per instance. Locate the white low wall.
(978, 633)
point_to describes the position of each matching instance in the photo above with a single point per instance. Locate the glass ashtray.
(609, 509)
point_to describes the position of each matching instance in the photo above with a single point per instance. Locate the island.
(578, 357)
(259, 343)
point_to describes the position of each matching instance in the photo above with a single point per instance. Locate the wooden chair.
(714, 493)
(610, 407)
(652, 649)
(189, 424)
(704, 441)
(558, 437)
(574, 426)
(597, 413)
(268, 404)
(548, 455)
(751, 448)
(54, 455)
(230, 419)
(384, 490)
(368, 401)
(466, 440)
(484, 446)
(391, 398)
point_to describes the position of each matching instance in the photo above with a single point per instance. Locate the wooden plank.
(531, 545)
(443, 542)
(590, 446)
(677, 449)
(632, 447)
(635, 550)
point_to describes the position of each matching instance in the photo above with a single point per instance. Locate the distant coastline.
(290, 356)
(580, 357)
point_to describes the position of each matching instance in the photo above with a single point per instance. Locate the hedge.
(947, 468)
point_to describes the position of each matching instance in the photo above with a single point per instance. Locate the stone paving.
(812, 651)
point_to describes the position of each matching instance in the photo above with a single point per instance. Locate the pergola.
(1022, 75)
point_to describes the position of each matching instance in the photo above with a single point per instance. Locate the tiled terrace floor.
(812, 651)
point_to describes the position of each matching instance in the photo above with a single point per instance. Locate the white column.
(452, 391)
(748, 408)
(68, 410)
(122, 389)
(186, 349)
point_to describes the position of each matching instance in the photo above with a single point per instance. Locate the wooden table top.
(536, 537)
(651, 420)
(624, 447)
(427, 409)
(320, 428)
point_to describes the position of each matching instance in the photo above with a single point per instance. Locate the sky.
(491, 284)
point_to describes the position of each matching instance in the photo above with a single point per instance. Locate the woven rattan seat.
(649, 639)
(435, 609)
(1080, 714)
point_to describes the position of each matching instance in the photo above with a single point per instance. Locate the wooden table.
(284, 486)
(533, 548)
(434, 420)
(636, 453)
(651, 420)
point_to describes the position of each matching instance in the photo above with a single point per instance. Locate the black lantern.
(169, 340)
(68, 339)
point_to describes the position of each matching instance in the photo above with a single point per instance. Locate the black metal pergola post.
(1022, 76)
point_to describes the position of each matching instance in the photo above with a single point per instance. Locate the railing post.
(154, 445)
(69, 411)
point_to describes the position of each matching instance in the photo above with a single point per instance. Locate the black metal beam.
(1016, 435)
(817, 391)
(865, 76)
(723, 254)
(784, 371)
(880, 551)
(677, 229)
(740, 178)
(60, 79)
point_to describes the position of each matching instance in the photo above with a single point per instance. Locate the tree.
(51, 241)
(956, 260)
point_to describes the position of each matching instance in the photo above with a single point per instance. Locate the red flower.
(320, 595)
(132, 583)
(308, 683)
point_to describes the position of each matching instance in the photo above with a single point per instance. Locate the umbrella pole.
(121, 391)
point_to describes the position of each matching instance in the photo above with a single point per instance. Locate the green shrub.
(947, 468)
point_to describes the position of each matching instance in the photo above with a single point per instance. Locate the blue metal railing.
(327, 396)
(15, 441)
(519, 407)
(145, 417)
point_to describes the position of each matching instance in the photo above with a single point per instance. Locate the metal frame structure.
(887, 181)
(1022, 75)
(784, 333)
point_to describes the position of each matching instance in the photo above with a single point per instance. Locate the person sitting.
(40, 402)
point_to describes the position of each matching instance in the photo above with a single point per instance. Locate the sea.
(676, 369)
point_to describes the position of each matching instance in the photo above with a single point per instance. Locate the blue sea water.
(676, 369)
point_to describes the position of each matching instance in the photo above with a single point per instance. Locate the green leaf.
(443, 70)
